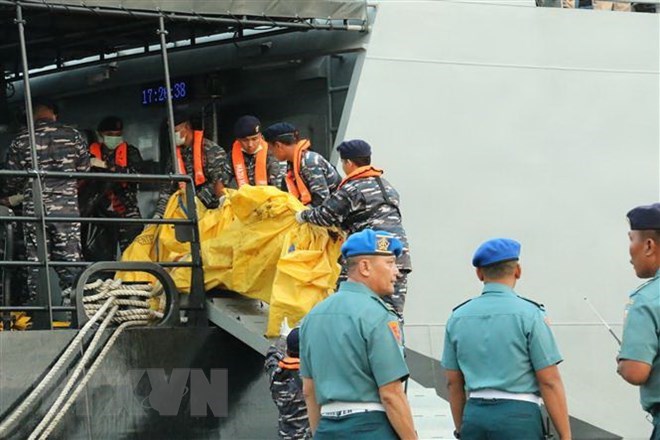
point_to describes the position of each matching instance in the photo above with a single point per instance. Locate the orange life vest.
(121, 153)
(198, 164)
(293, 179)
(121, 160)
(289, 363)
(260, 168)
(361, 173)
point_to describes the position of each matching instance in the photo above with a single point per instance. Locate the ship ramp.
(246, 320)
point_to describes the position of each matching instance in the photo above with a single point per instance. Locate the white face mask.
(178, 139)
(112, 142)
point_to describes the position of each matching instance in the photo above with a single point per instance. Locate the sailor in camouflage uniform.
(286, 385)
(112, 154)
(309, 177)
(250, 162)
(365, 200)
(199, 157)
(59, 148)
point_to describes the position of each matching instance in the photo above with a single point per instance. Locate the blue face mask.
(112, 142)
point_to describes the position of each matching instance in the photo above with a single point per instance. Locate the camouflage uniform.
(112, 199)
(286, 389)
(360, 204)
(214, 164)
(320, 177)
(273, 168)
(59, 148)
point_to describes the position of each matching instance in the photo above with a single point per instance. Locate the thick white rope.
(74, 376)
(54, 371)
(90, 373)
(112, 293)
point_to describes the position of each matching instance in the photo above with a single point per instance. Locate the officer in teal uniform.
(351, 352)
(500, 356)
(639, 358)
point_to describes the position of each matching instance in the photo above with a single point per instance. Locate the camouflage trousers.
(62, 240)
(100, 241)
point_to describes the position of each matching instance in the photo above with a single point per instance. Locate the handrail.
(44, 294)
(298, 23)
(86, 263)
(92, 175)
(144, 221)
(7, 277)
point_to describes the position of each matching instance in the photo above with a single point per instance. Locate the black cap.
(181, 116)
(44, 101)
(110, 123)
(645, 217)
(280, 131)
(247, 126)
(353, 149)
(293, 342)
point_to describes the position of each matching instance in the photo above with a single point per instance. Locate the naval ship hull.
(149, 386)
(493, 118)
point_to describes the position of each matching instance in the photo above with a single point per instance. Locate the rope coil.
(110, 302)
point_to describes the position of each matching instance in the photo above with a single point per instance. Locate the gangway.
(246, 319)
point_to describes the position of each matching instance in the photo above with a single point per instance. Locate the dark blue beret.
(370, 242)
(110, 123)
(275, 131)
(354, 148)
(495, 251)
(645, 217)
(247, 126)
(293, 341)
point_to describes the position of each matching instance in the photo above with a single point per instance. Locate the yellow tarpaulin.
(252, 245)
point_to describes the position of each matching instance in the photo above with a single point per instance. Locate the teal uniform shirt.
(350, 345)
(641, 334)
(498, 341)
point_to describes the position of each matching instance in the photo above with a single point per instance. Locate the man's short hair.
(653, 234)
(44, 103)
(500, 270)
(361, 161)
(352, 262)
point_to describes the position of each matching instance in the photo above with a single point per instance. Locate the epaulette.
(539, 305)
(643, 285)
(387, 306)
(461, 304)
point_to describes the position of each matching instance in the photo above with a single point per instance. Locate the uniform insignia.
(383, 244)
(396, 330)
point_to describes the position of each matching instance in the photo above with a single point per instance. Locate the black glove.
(206, 196)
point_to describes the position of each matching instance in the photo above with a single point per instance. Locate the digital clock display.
(157, 94)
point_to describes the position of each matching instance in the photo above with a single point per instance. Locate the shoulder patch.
(539, 305)
(461, 304)
(396, 330)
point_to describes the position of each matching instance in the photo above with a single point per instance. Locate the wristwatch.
(457, 434)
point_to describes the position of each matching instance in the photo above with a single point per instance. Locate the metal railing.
(195, 302)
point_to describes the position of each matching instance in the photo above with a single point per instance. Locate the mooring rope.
(114, 303)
